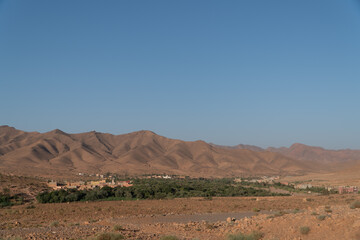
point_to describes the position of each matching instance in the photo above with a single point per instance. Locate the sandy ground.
(342, 178)
(279, 218)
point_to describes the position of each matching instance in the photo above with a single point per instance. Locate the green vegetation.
(321, 217)
(118, 228)
(109, 236)
(279, 214)
(304, 230)
(355, 204)
(296, 210)
(282, 213)
(240, 236)
(256, 210)
(291, 188)
(156, 189)
(54, 224)
(5, 200)
(327, 209)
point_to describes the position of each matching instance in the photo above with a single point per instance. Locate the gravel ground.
(279, 218)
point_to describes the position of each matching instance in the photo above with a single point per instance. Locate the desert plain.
(327, 217)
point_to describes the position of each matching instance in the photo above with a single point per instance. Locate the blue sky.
(267, 73)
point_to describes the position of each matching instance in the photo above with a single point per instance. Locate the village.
(111, 180)
(81, 185)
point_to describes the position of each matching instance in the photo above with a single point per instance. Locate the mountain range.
(57, 153)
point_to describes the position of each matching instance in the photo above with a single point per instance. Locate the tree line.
(156, 189)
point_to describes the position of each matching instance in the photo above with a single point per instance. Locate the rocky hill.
(59, 153)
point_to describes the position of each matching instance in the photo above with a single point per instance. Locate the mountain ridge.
(140, 152)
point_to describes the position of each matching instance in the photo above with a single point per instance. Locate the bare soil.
(187, 218)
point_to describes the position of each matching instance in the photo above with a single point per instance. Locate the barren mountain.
(346, 160)
(241, 146)
(317, 154)
(59, 153)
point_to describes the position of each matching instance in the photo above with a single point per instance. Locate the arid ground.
(327, 217)
(58, 155)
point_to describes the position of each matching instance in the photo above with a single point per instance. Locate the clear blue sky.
(268, 73)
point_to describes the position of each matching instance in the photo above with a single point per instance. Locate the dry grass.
(304, 230)
(54, 224)
(240, 236)
(118, 228)
(355, 204)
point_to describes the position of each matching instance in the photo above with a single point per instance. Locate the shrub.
(314, 213)
(5, 199)
(169, 238)
(30, 207)
(110, 236)
(54, 224)
(73, 224)
(328, 210)
(240, 236)
(304, 230)
(256, 210)
(279, 214)
(355, 204)
(296, 210)
(118, 228)
(321, 217)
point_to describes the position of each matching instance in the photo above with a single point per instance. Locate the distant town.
(112, 180)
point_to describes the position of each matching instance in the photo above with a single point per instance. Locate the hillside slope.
(317, 154)
(59, 153)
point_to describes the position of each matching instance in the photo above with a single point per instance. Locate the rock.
(230, 219)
